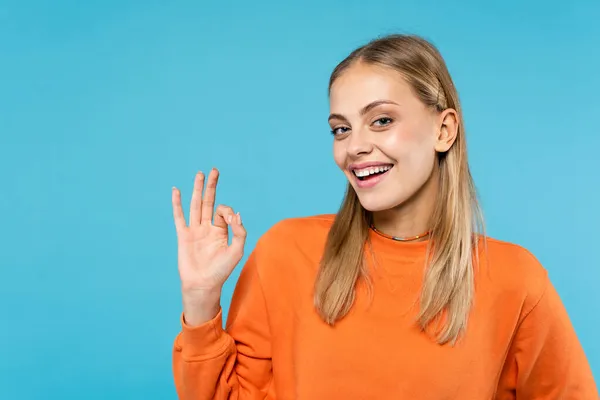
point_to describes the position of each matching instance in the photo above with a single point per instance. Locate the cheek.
(407, 143)
(413, 150)
(339, 154)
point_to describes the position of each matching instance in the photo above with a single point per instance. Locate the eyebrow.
(363, 110)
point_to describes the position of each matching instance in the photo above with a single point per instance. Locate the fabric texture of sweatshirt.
(519, 343)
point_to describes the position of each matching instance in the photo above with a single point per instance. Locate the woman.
(397, 296)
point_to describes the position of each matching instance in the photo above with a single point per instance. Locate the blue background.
(105, 105)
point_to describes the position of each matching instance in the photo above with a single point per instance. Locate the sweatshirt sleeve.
(546, 359)
(235, 364)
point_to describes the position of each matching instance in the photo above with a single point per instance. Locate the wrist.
(200, 306)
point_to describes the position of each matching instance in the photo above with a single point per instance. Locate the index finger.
(208, 202)
(178, 216)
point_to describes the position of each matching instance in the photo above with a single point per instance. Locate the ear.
(447, 127)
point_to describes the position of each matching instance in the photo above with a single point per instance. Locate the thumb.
(238, 240)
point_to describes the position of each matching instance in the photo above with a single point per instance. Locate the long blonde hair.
(448, 287)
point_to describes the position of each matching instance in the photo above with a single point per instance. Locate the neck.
(403, 225)
(413, 216)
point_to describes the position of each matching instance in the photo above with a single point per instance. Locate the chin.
(375, 202)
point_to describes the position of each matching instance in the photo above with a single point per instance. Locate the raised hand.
(205, 259)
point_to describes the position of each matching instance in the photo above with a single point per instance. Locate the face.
(385, 138)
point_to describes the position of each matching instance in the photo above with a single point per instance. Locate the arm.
(546, 360)
(210, 363)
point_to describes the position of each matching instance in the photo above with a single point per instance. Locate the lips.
(367, 164)
(365, 173)
(368, 177)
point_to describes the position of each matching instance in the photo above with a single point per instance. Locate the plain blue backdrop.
(105, 105)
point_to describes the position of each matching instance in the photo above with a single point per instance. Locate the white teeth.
(371, 170)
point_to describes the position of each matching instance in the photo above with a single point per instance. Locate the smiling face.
(385, 137)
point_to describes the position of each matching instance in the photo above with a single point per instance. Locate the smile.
(370, 176)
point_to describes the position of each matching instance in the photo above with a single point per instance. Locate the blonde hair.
(448, 287)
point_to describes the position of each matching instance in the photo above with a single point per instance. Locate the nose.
(359, 144)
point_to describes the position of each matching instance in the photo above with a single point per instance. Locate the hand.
(205, 259)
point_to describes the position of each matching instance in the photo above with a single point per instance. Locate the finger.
(208, 202)
(178, 216)
(196, 203)
(239, 237)
(222, 213)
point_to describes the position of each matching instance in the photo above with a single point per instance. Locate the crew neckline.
(397, 249)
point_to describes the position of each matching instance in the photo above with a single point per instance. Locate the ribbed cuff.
(203, 341)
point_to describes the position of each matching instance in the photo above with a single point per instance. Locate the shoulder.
(286, 257)
(513, 270)
(311, 229)
(289, 236)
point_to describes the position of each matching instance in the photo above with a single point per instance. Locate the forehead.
(362, 84)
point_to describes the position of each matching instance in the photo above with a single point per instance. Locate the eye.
(339, 130)
(383, 121)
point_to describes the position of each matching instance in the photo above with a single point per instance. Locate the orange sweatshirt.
(519, 343)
